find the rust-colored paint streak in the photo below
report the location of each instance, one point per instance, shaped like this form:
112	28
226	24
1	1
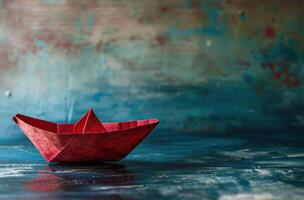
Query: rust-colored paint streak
280	73
58	42
161	39
269	32
5	60
67	45
164	9
277	75
291	81
196	4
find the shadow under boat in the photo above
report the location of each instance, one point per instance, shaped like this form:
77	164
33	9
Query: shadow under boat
77	177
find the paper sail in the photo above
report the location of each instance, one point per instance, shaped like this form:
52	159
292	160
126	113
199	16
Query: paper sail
88	140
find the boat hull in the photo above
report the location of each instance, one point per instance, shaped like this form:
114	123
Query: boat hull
79	147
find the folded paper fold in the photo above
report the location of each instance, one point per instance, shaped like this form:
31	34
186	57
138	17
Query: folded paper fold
88	140
89	123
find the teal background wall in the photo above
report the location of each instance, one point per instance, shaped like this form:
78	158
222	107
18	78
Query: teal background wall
201	67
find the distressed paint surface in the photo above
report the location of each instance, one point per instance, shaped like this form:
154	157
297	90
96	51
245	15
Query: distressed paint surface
225	77
164	167
216	66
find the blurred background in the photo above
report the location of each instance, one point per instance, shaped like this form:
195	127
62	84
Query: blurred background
225	78
201	67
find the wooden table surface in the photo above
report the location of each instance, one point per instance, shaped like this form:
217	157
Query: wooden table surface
165	166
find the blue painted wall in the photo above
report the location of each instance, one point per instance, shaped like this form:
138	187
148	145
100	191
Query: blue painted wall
199	66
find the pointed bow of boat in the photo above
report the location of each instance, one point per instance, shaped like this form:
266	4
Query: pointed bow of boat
112	146
119	140
42	134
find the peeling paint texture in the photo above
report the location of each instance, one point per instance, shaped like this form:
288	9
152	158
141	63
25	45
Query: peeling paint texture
199	66
224	77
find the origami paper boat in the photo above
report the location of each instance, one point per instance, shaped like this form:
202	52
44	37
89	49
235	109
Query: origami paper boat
88	140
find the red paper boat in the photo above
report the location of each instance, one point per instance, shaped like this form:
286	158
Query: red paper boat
88	140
